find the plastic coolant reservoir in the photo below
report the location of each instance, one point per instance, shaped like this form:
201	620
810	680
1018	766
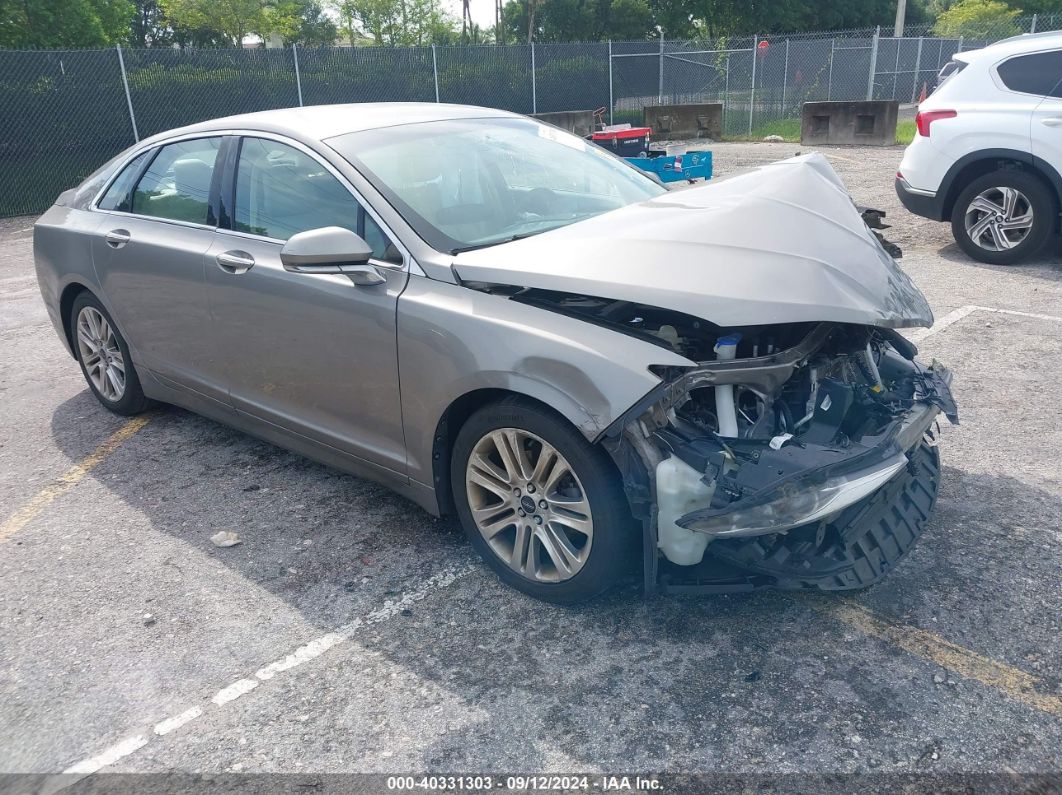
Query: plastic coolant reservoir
725	410
679	490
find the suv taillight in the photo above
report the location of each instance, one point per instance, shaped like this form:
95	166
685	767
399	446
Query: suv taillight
924	118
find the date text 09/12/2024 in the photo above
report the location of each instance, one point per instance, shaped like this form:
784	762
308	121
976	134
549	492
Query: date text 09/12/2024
524	783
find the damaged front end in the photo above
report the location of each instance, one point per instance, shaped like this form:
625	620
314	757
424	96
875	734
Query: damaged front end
800	456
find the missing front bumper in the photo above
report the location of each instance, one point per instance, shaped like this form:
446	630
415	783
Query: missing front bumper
825	489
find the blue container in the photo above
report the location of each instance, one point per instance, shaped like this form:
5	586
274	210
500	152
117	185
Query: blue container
676	168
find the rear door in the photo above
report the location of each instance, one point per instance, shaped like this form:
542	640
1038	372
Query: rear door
313	354
150	256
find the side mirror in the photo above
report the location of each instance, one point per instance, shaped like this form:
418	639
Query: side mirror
330	249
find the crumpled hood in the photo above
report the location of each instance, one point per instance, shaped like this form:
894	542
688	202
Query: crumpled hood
782	243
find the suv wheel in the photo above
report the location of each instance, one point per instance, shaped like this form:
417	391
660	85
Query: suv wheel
542	506
1004	217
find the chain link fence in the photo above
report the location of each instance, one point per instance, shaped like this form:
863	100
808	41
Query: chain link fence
64	113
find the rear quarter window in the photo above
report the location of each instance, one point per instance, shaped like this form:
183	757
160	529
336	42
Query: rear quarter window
1038	73
118	195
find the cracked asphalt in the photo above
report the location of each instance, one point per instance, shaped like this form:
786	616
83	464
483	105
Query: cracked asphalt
395	651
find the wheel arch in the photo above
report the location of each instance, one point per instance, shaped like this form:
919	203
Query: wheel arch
977	164
455	416
66	305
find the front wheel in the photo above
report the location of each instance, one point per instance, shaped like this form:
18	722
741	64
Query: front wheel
542	506
1004	217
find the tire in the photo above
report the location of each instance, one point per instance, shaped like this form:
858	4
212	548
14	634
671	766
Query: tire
856	548
518	550
991	190
127	400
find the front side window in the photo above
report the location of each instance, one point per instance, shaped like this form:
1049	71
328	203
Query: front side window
382	247
176	185
469	183
281	191
119	194
1039	73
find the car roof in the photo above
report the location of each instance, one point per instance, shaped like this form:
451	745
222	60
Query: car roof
1016	45
318	122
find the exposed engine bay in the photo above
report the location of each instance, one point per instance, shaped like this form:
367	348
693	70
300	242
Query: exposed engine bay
777	429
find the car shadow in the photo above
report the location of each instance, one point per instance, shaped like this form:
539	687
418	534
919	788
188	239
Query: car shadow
311	535
619	678
1047	265
194	476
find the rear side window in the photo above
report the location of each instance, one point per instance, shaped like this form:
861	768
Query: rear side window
118	194
1039	73
176	185
950	69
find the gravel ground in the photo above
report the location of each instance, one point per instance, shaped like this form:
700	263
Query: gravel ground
118	613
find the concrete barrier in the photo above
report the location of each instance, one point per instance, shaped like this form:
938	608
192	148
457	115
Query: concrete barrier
866	123
682	122
578	122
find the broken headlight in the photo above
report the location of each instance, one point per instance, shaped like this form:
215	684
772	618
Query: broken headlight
793	503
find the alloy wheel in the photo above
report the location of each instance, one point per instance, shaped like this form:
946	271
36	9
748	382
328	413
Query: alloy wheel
99	352
999	218
529	505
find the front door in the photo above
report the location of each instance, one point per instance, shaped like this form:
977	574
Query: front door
314	354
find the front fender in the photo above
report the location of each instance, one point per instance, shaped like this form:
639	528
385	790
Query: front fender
454	340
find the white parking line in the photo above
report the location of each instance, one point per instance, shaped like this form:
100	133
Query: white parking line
956	315
86	767
177	721
241	687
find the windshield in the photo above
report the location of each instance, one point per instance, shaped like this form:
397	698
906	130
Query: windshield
469	183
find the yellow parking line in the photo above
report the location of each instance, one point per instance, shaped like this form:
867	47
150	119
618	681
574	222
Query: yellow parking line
57	488
1010	681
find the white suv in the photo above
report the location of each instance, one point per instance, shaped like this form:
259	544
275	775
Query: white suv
988	153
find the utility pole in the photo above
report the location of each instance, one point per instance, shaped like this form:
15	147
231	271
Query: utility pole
901	14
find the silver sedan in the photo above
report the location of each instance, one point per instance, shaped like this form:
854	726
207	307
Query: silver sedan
597	376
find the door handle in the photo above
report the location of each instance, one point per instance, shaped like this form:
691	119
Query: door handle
117	238
1052	121
235	262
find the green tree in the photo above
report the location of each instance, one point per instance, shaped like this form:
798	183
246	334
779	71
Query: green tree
629	20
64	23
235	19
977	19
302	22
149	25
577	20
397	23
1038	6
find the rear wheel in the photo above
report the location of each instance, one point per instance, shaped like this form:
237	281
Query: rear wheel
1004	217
104	357
541	505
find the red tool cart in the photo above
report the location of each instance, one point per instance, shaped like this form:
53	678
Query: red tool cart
624	140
